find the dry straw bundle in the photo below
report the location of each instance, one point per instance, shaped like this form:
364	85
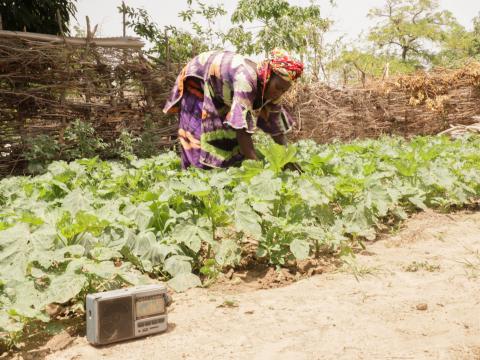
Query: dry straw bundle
420	104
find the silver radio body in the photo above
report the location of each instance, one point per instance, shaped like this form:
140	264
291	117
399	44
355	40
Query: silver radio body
126	313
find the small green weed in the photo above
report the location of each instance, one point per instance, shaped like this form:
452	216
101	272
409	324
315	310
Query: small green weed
424	265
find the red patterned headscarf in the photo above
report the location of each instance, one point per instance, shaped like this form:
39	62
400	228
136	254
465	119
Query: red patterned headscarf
282	65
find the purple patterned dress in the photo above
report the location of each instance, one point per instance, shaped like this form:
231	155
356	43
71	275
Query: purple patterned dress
215	94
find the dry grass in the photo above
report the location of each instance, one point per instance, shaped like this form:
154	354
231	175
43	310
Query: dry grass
420	104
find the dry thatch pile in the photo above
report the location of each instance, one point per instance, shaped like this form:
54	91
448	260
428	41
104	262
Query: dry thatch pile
420	104
46	82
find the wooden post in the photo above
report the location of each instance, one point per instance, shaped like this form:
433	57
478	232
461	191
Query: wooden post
89	31
386	71
1	22
87	77
124	23
59	21
167	50
125	57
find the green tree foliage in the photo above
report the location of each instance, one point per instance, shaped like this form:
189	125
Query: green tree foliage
408	25
460	45
167	43
174	44
476	36
357	65
198	12
37	16
323	58
294	28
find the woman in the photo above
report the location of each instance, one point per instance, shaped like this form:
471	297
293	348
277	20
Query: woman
222	98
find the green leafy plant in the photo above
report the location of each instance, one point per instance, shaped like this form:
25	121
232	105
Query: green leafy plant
126	144
146	146
210	270
41	150
415	266
81	141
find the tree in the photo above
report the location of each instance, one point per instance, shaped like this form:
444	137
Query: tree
460	45
168	44
408	25
293	28
171	44
355	65
195	14
37	16
475	47
456	48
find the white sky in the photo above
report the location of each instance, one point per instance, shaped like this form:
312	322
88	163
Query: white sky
349	15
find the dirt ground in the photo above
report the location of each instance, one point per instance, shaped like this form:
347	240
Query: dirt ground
414	294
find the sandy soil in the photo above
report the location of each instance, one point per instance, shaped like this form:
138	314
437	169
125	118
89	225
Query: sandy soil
417	297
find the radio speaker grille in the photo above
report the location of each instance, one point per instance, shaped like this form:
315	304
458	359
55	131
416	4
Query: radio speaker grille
115	319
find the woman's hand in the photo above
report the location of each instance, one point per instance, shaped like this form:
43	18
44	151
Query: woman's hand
280	139
293	167
246	144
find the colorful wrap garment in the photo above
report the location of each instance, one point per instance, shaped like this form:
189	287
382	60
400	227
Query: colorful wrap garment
214	95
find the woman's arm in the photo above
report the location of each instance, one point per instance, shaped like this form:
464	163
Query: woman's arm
280	139
246	144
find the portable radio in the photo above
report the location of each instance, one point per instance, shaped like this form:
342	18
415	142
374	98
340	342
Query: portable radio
126	313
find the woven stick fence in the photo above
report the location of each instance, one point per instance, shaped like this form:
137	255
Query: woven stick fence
46	82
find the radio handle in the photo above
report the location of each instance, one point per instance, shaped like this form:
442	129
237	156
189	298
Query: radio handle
167	298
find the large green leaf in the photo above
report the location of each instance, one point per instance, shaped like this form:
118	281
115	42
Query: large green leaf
418	201
70	283
15	246
300	249
227	252
141	243
7	324
196	187
359	220
184	281
76	201
278	155
247	220
264	186
192	236
311	194
47	258
102	253
102	269
377	197
178	264
140	214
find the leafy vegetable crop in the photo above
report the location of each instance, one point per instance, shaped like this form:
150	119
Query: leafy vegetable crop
91	225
